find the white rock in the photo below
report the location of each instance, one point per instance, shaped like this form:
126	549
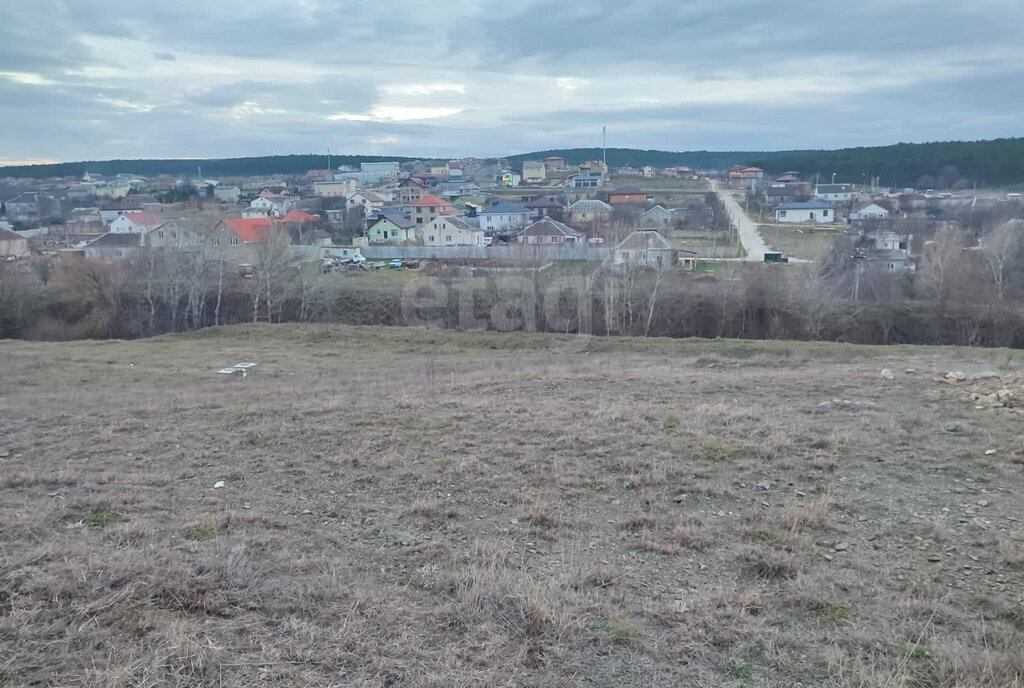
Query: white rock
886	374
990	452
219	484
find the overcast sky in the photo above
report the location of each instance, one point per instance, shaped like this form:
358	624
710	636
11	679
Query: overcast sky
218	78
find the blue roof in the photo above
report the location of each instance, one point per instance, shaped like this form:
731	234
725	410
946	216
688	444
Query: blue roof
506	209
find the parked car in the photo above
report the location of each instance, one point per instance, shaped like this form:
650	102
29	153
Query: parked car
396	263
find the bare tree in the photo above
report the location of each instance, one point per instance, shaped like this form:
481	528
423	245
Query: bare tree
1000	250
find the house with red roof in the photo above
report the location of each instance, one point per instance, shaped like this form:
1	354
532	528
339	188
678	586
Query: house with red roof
411	189
425	209
136	223
247	230
296	216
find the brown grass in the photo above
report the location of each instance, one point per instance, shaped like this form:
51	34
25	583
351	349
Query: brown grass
465	509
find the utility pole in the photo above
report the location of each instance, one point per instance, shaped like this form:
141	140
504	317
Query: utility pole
330	170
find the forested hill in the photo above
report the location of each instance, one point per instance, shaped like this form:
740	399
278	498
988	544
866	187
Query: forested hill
937	165
223	167
940	165
619	157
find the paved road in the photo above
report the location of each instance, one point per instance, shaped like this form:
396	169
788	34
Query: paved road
750	238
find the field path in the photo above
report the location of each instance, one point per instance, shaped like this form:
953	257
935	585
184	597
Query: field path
750	237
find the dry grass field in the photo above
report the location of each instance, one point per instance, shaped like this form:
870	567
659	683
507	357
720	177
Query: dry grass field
403	507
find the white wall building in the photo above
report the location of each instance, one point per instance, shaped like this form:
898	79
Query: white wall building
503	217
805	211
836	193
449	230
334	189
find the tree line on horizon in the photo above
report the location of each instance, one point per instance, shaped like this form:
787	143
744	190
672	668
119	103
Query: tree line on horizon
940	165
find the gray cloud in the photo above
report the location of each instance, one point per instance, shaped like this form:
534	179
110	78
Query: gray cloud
484	77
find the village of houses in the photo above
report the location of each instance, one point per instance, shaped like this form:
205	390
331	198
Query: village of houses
462	211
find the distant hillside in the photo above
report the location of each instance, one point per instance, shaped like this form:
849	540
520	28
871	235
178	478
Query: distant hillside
224	167
938	165
619	157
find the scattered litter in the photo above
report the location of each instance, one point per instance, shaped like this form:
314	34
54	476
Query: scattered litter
846	404
955	376
990	452
887	374
237	369
219	484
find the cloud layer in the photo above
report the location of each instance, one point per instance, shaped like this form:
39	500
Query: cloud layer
233	78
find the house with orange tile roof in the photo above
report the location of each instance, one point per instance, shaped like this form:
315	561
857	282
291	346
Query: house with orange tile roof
424	210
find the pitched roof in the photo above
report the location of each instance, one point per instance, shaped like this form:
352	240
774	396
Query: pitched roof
429	201
506	209
296	215
251	230
805	205
400	221
626	190
116	239
834	188
413	181
545	202
370	196
589	205
10	235
654	210
644	240
549	227
457	222
145	218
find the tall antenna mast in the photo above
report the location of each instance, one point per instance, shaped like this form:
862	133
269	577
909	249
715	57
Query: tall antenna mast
330	170
604	148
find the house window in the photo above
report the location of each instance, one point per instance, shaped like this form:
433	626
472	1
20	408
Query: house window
234	241
448	238
160	234
216	242
431	238
174	235
824	213
185	234
782	213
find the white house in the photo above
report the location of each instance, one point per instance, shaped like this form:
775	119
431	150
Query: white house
548	231
834	192
367	200
872	211
275	204
645	247
451	230
504	217
392	229
334	189
136	223
227	194
805	211
12	244
656	217
378	172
